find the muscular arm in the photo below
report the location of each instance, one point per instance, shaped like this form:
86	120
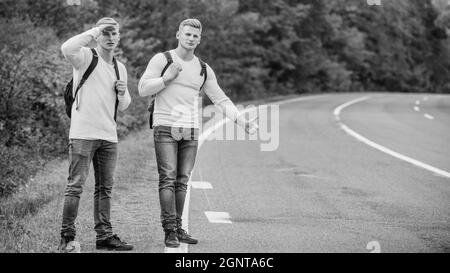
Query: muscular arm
151	81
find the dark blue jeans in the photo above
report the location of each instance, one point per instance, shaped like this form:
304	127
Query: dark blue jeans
103	155
176	149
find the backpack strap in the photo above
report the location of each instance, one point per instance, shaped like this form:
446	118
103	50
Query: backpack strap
116	69
203	72
169	59
151	106
169	62
87	73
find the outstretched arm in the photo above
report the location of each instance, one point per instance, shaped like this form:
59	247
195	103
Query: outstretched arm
221	101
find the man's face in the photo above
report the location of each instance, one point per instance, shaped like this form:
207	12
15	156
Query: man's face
189	37
109	38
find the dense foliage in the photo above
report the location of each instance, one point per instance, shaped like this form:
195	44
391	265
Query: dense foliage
257	48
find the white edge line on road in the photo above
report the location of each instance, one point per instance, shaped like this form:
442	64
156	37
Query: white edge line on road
338	110
203	137
384	149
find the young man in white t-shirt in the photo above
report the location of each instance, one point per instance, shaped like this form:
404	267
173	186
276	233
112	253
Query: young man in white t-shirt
176	122
93	129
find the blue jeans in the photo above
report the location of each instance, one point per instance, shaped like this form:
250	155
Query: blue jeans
103	155
176	149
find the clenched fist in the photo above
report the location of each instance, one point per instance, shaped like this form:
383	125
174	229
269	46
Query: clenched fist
172	73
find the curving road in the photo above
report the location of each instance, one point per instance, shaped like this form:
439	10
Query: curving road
323	190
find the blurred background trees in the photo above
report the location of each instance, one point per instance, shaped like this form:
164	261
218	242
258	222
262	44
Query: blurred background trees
257	48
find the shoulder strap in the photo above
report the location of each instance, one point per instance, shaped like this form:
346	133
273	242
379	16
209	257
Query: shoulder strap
151	105
203	72
88	71
116	69
169	61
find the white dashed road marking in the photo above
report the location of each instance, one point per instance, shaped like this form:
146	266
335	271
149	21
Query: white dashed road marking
429	116
201	185
416	108
216	217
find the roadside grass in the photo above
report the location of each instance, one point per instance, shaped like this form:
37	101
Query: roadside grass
31	218
17	209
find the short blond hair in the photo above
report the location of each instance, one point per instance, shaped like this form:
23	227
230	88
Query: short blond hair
107	20
191	22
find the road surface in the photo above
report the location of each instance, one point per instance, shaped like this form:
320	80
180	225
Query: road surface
324	190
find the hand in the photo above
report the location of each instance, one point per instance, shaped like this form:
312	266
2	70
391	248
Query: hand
121	87
102	27
251	126
93	43
172	72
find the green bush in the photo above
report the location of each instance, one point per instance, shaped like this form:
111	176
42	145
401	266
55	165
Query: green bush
32	124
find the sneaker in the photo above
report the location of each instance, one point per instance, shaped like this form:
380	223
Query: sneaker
171	239
69	245
113	243
184	237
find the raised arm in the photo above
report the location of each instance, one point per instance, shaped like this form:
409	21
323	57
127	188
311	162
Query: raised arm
72	48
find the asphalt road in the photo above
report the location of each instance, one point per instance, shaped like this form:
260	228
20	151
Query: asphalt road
323	190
